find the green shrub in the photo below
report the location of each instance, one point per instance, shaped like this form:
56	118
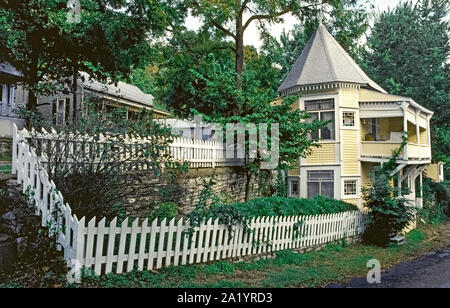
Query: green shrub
390	212
282	206
436	197
163	210
240	213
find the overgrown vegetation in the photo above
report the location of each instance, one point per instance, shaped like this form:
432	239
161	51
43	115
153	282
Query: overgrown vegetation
390	212
436	198
95	163
242	213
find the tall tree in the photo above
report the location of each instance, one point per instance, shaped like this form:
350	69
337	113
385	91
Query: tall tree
38	39
232	18
409	55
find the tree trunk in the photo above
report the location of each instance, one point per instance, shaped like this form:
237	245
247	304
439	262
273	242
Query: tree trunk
247	185
239	53
32	95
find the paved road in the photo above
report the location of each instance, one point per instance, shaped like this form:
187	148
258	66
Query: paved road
429	271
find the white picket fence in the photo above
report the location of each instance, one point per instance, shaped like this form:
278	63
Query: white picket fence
107	247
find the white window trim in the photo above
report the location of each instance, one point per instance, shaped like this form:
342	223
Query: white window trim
290	194
63	100
357	121
358	188
336	97
354	119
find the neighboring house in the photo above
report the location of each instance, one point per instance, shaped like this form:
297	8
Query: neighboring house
12	96
189	129
105	97
435	172
367	124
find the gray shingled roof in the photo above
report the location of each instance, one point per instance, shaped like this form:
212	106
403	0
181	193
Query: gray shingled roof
122	90
324	61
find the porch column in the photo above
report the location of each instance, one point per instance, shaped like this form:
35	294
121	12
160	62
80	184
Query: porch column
417	127
419	202
405	127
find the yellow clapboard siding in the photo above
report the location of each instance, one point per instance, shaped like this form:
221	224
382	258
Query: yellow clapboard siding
326	154
432	172
350	155
423	136
374	96
352	201
349	98
412	133
366	169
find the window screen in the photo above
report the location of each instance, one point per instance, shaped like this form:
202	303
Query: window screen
320	182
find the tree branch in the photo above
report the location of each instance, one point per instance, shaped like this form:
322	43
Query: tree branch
278	14
223	29
260	17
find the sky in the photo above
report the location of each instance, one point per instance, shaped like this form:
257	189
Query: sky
251	37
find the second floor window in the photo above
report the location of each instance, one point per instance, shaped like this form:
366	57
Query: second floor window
348	119
322	110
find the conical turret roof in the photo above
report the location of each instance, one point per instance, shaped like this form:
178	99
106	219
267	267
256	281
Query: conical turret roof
324	61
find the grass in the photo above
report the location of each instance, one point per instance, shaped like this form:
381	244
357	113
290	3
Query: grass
334	263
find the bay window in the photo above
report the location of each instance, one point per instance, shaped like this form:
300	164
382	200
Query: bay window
322	110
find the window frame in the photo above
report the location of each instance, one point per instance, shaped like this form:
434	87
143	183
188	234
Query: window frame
319	113
320	181
344	113
344	186
56	110
291	181
358	188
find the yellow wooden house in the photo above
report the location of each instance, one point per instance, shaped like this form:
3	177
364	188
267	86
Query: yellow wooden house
367	125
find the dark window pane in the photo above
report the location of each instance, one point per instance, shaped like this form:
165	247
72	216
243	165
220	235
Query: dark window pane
327	189
328	132
313	189
294	187
314	116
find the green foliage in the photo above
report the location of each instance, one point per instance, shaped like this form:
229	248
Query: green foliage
111	36
409	52
165	210
389	211
436	197
97	182
241	213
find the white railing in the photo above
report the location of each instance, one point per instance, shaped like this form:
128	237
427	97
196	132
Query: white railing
198	153
116	247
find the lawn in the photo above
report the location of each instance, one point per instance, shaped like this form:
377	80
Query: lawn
335	263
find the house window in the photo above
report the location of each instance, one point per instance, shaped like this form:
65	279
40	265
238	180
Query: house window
350	188
59	111
372	126
320	183
294	188
7	97
322	110
348	119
